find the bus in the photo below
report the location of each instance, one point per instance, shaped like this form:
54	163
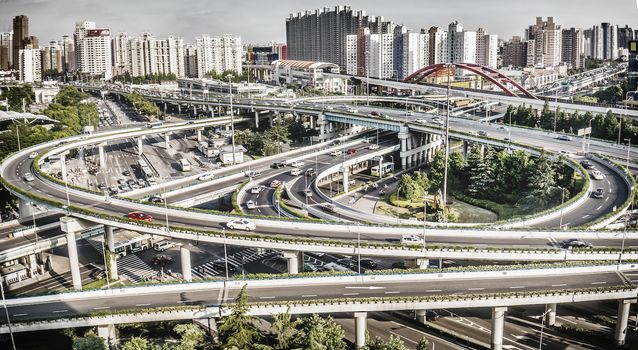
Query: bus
153	125
184	165
386	168
145	169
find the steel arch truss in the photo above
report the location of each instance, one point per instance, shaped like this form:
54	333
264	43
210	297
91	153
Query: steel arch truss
490	74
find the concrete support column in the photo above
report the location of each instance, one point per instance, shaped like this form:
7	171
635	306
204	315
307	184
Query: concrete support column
256	120
466	148
194	111
70	226
550	316
345	170
498	320
212	112
621	321
107	333
25	209
418	263
167	139
421	316
270	118
403	137
185	256
294	261
360	319
102	156
199	135
63	166
33	265
140	145
179	109
312	122
109	240
165	107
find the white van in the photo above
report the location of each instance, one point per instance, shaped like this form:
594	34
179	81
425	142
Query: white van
163	245
410	239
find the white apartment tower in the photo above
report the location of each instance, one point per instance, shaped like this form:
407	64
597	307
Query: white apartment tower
379	48
121	56
351	54
93	50
218	54
547	41
486	49
438	40
30	65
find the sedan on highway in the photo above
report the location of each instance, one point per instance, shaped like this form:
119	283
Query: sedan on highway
596	175
373	147
255	190
335	153
241	224
564	138
32	155
296	172
138	215
598	193
296	164
250	205
575	243
275	183
28	177
206	177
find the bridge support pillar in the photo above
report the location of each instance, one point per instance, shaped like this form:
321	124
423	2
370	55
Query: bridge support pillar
294	261
26	210
140	145
621	321
194	111
107	332
312	122
179	109
100	149
212	111
199	135
550	317
33	265
70	226
418	263
63	166
167	141
185	256
498	320
466	149
404	138
346	185
165	107
421	316
360	319
256	119
111	256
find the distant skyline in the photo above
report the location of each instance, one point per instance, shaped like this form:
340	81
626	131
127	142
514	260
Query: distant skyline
260	22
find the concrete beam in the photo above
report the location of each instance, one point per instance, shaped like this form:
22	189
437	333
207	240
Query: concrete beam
294	261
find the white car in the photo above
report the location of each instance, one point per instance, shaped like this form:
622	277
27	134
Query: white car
307	192
241	224
33	155
255	190
28	177
163	245
373	146
410	239
335	153
597	175
296	172
296	164
421	121
206	177
250	205
352	110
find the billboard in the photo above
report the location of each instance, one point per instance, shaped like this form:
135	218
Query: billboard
98	32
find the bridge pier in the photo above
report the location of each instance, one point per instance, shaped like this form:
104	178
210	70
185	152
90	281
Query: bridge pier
63	166
25	209
140	145
108	334
466	149
199	135
212	111
100	149
194	111
165	107
421	316
621	321
167	141
294	261
404	138
498	320
111	256
360	319
346	184
256	119
32	263
70	226
418	263
550	317
185	256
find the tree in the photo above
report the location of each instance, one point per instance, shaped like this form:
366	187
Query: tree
543	191
138	343
16	95
297	131
316	333
238	329
422	180
437	169
191	336
89	342
284	330
423	344
408	188
393	343
70	96
479	173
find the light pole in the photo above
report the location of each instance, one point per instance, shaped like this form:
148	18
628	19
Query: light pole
509	134
165	203
589	138
367	68
6	311
447	146
232	114
628	150
540	340
225	253
425	216
359	248
562	201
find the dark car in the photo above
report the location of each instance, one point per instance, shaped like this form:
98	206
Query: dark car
575	243
431	315
155	199
97	274
598	193
102	186
126	173
347	262
278	165
351	151
586	164
220	264
311	172
368	263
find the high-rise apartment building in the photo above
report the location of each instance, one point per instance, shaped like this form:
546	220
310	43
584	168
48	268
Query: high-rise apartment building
625	35
190	61
52	59
147	55
461	44
601	42
610	41
20	33
68	52
351	54
121	57
29	64
93	50
438	40
218	54
411	52
546	36
6	50
516	52
573	47
486	49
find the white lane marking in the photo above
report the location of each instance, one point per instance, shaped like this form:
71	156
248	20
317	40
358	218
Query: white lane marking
475	288
392	292
367	287
60	311
599	207
559	285
309	295
606	199
18	315
266	297
142	304
433	290
101	308
350	294
599	283
517	287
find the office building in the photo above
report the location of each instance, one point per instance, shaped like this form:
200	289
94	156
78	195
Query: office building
218	55
20	33
30	65
546	36
609	41
52	59
6	50
573	48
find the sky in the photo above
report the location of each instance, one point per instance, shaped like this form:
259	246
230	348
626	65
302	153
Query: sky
264	21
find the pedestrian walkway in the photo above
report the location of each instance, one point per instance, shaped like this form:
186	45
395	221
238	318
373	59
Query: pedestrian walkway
130	267
235	261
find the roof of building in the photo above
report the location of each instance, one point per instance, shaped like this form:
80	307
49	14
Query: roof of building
305	64
229	149
11	115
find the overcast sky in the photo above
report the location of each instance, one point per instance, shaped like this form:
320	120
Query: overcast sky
262	21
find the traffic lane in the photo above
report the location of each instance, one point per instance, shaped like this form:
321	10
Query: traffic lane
11	243
116	209
331	290
615	194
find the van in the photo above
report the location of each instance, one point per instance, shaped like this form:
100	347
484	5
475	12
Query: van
163	245
410	239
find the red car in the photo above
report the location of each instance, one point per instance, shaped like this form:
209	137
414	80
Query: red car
138	215
351	151
275	183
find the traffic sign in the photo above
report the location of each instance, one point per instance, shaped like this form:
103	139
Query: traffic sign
584	131
633	46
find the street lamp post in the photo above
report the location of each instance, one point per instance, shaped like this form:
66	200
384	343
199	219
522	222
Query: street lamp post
447	146
540	340
562	202
6	311
359	248
225	253
628	150
589	136
232	114
509	134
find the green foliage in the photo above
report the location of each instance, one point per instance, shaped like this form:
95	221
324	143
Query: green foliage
15	96
238	329
297	131
423	344
317	333
585	99
610	95
70	96
191	336
393	343
236	78
89	342
146	79
285	331
143	106
139	343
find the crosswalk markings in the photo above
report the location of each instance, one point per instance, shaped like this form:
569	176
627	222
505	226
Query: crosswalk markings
130	266
249	255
